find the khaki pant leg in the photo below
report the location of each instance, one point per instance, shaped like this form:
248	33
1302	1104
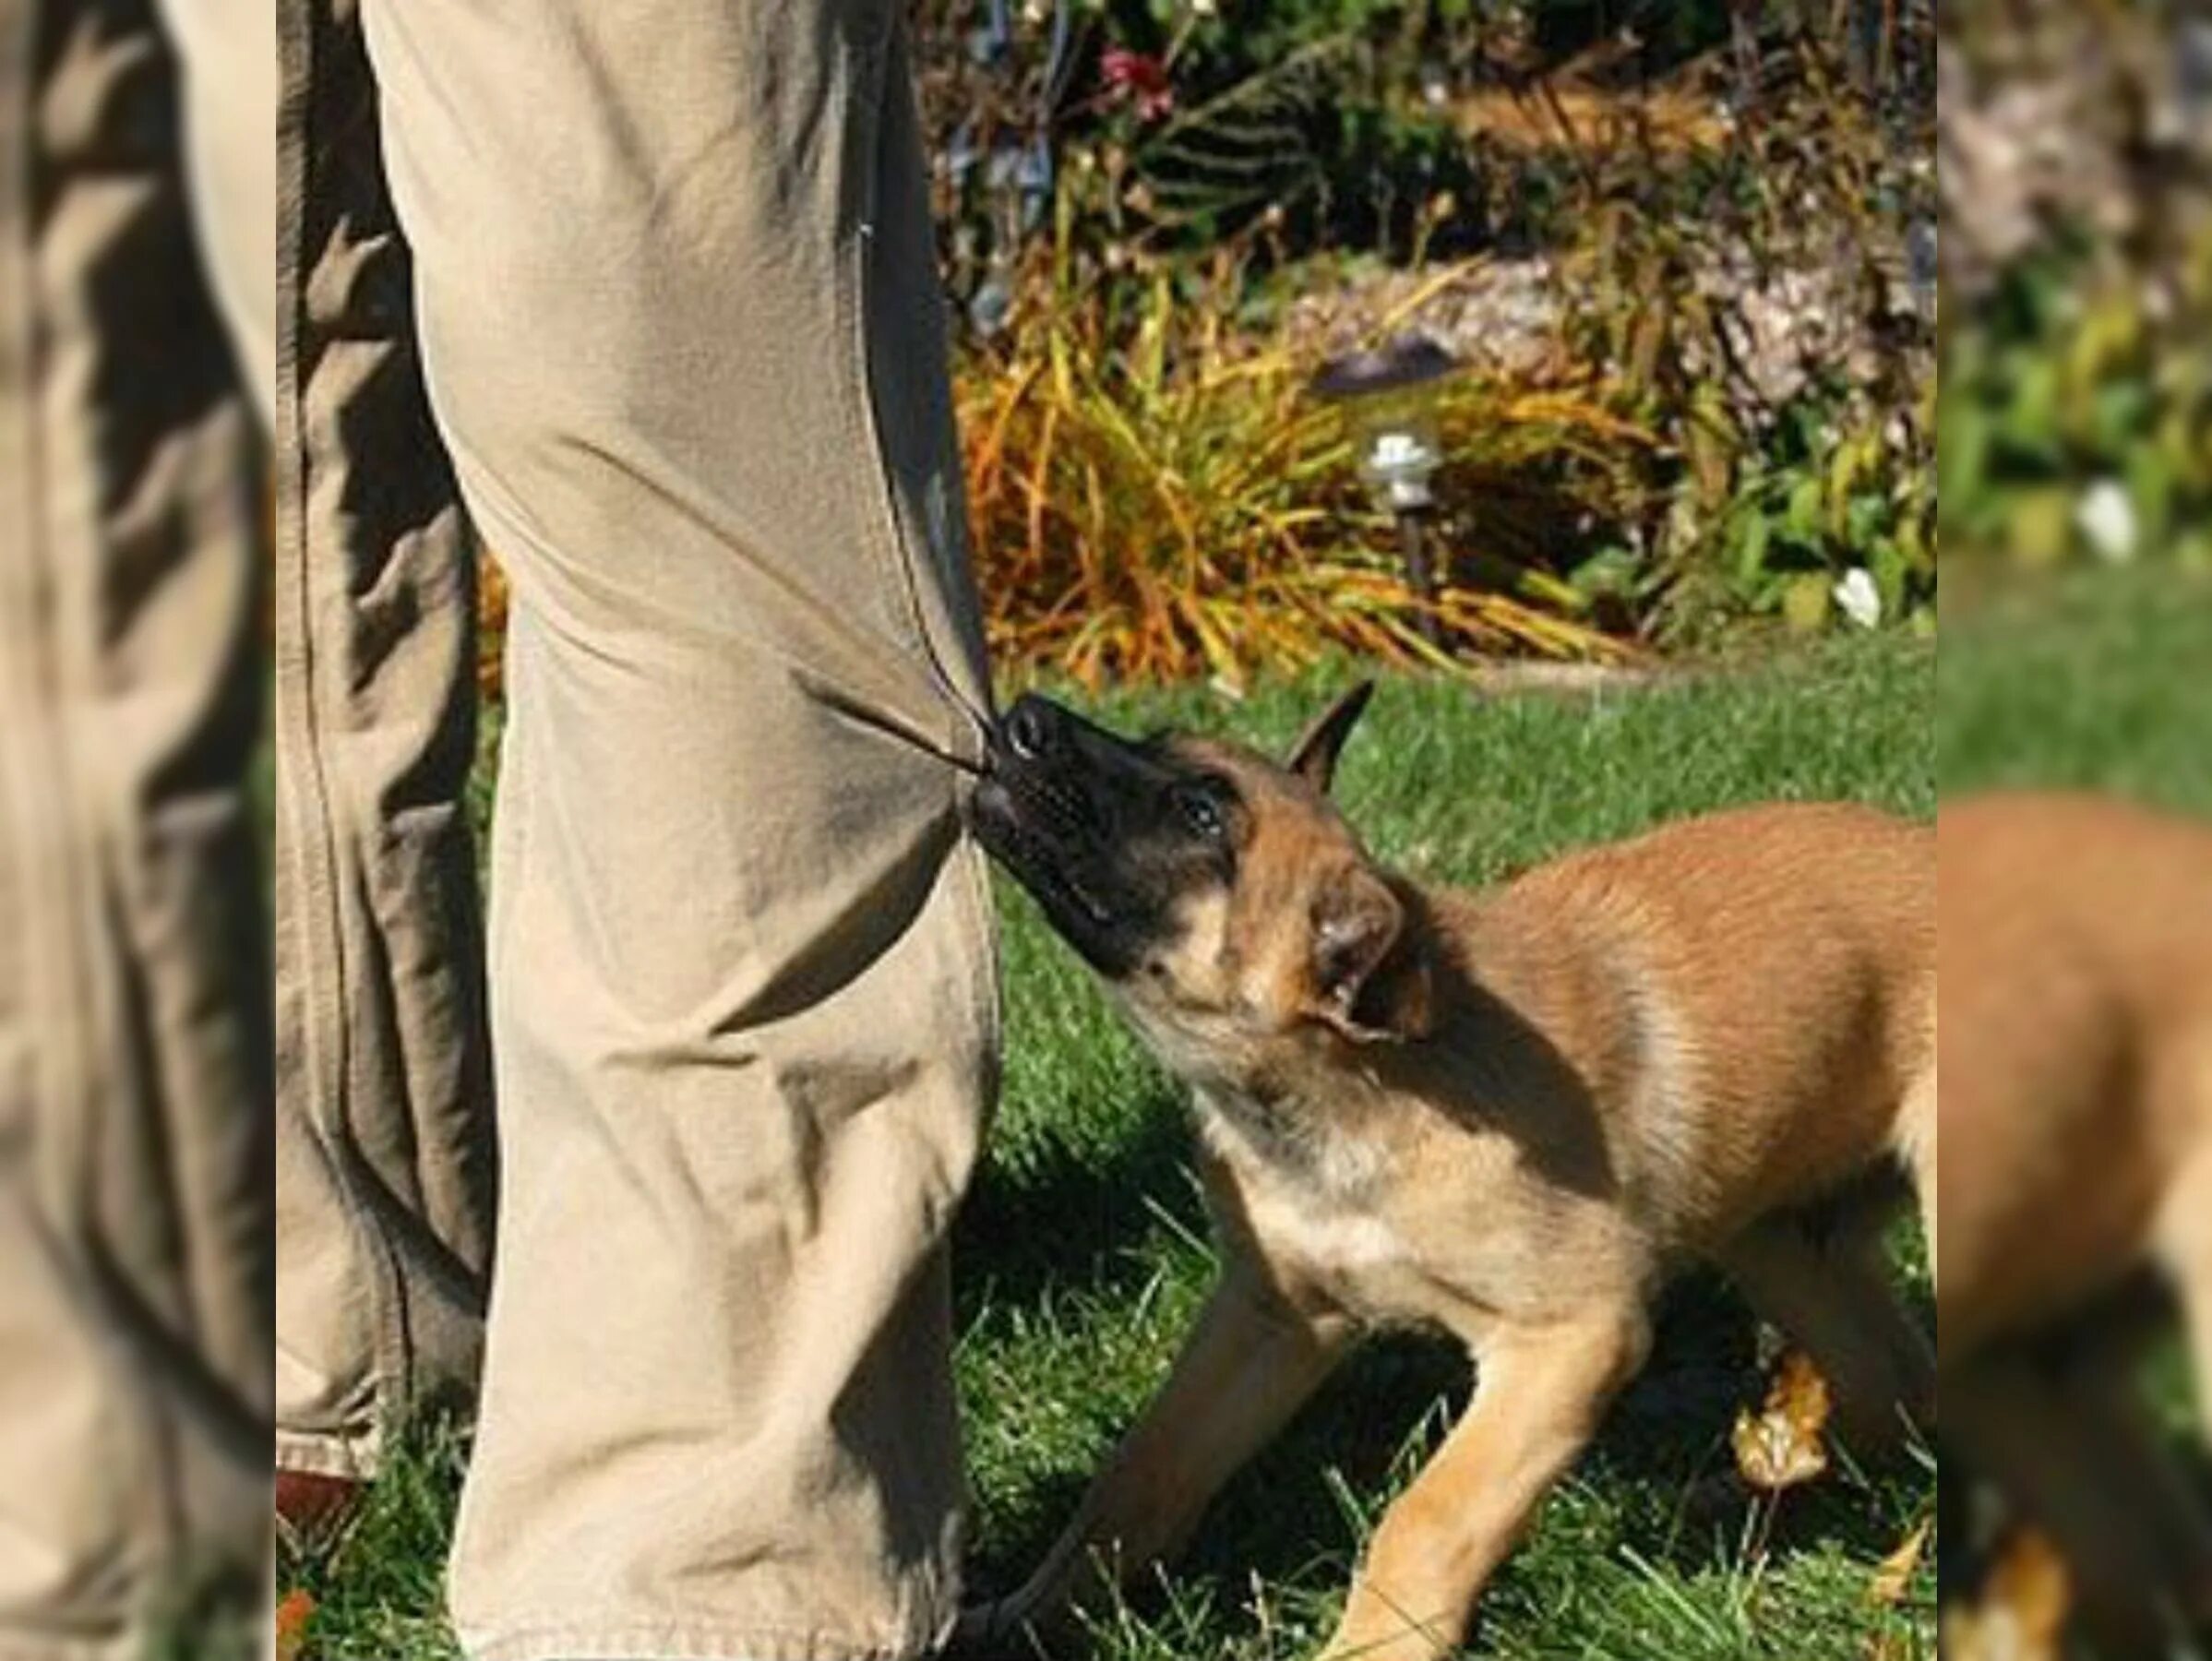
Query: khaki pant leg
385	1175
134	1045
681	329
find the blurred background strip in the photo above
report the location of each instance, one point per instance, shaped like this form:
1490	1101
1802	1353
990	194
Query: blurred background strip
2075	740
136	1280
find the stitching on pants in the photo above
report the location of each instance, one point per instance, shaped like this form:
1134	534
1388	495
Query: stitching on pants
861	165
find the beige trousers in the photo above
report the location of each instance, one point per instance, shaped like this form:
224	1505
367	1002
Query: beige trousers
644	294
135	1260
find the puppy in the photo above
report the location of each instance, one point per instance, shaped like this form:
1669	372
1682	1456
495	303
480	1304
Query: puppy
1506	1116
2076	1063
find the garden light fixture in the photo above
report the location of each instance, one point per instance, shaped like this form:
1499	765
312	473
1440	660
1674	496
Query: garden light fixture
1389	398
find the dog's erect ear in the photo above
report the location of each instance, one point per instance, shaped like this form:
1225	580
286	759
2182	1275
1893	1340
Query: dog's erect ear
1314	757
1372	976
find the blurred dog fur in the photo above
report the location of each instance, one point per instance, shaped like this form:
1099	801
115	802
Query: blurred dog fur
2077	1080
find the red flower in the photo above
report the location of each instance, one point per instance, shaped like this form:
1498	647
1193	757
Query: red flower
1139	78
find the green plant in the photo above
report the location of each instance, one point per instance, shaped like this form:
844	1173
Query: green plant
2076	374
1748	300
1827	497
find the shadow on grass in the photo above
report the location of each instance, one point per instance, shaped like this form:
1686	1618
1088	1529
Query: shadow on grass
1064	1222
1663	1461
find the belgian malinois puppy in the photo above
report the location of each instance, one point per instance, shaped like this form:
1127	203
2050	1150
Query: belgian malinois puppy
2077	1098
1504	1115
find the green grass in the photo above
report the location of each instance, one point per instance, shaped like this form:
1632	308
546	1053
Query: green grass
2091	680
1082	1252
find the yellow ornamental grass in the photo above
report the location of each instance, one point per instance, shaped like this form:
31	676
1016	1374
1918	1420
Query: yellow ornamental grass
1183	509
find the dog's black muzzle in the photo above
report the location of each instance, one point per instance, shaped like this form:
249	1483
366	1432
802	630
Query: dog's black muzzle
1063	782
1060	804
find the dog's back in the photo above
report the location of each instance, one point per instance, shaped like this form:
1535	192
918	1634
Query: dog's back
1766	1005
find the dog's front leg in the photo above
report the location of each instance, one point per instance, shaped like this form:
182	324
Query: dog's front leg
1252	1359
1540	1392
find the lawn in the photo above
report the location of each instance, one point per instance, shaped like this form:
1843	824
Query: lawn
2093	680
1082	1252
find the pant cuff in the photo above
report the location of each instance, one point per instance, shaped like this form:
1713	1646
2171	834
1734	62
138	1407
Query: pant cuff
327	1454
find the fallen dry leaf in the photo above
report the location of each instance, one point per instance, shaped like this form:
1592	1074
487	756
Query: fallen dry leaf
1781	1445
2022	1614
1894	1573
295	1610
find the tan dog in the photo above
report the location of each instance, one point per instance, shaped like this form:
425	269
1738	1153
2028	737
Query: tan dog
2077	1065
1506	1114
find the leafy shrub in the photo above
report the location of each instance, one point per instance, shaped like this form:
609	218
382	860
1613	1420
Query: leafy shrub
2074	422
1756	306
1156	497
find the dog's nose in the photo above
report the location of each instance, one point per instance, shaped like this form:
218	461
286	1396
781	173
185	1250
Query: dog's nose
1030	731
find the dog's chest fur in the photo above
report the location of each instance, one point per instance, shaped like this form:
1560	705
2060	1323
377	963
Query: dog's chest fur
1406	1222
1364	1214
1309	1196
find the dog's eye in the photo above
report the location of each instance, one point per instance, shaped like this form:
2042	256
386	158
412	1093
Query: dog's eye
1202	813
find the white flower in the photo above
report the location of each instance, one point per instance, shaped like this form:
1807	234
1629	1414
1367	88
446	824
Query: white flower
1857	598
1204	8
2107	516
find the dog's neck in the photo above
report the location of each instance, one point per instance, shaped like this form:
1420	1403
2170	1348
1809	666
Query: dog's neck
1485	1063
1503	1053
